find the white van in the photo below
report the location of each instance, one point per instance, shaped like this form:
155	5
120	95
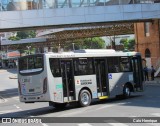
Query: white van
11	64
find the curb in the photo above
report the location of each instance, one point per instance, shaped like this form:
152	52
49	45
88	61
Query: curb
2	70
152	82
13	77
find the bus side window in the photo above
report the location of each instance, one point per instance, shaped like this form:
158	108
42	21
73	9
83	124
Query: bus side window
125	64
38	62
83	66
55	67
113	65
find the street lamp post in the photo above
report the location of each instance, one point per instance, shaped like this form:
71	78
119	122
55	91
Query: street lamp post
28	47
73	46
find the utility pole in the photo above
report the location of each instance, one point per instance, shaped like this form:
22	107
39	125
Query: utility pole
73	46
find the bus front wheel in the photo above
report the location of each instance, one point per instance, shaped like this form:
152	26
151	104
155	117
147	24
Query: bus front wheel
126	91
84	98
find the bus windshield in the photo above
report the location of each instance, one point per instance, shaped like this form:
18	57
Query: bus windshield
31	64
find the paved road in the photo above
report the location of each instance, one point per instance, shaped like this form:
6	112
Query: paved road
5	82
146	104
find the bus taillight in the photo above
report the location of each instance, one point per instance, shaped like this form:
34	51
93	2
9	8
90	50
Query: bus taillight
45	85
19	88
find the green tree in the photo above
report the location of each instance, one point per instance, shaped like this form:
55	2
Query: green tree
26	34
22	34
125	43
131	45
87	43
13	38
128	44
32	34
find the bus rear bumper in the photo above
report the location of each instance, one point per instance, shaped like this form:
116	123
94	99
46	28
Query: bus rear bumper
35	98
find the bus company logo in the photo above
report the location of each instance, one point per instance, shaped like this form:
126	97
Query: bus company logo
78	82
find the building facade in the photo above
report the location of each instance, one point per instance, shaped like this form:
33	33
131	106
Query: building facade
147	37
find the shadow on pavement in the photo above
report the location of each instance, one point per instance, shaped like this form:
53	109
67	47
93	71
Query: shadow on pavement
148	99
14	70
47	110
8	93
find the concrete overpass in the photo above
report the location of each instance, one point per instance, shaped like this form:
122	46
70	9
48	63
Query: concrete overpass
63	36
64	14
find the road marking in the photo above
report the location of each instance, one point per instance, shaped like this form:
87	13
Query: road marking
106	106
80	110
132	116
43	124
16	98
71	113
32	116
118	124
110	105
84	124
10	111
17	106
156	114
2	100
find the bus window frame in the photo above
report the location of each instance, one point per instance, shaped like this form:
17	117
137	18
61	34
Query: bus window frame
112	69
129	63
59	67
77	67
34	72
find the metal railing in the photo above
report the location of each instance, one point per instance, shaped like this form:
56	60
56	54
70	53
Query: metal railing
6	5
157	66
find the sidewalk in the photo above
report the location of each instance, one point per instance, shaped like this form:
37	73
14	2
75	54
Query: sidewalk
13	74
13	77
155	81
2	70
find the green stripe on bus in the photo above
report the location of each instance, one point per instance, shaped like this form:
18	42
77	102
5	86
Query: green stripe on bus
59	86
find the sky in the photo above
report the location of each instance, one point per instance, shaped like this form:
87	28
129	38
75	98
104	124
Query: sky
117	38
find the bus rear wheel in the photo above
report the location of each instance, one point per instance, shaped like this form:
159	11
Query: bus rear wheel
126	91
84	98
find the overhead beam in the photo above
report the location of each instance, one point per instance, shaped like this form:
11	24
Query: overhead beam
66	36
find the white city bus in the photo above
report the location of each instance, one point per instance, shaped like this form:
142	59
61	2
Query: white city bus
82	75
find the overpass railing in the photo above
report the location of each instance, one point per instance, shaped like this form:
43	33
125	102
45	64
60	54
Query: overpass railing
13	5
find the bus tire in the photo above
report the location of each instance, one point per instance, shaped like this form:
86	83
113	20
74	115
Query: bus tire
60	105
126	91
84	98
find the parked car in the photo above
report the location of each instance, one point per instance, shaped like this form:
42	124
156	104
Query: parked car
11	64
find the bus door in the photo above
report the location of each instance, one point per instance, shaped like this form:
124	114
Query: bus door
137	72
68	80
102	77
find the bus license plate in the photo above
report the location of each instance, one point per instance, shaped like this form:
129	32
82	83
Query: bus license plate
31	98
31	90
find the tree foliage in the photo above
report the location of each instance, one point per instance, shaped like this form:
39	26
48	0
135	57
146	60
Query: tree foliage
23	35
128	44
87	43
26	34
13	38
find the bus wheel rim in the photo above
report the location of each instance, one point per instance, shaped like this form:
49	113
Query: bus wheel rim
85	98
127	91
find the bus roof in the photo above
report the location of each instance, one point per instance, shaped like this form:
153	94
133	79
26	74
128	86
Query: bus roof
91	53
